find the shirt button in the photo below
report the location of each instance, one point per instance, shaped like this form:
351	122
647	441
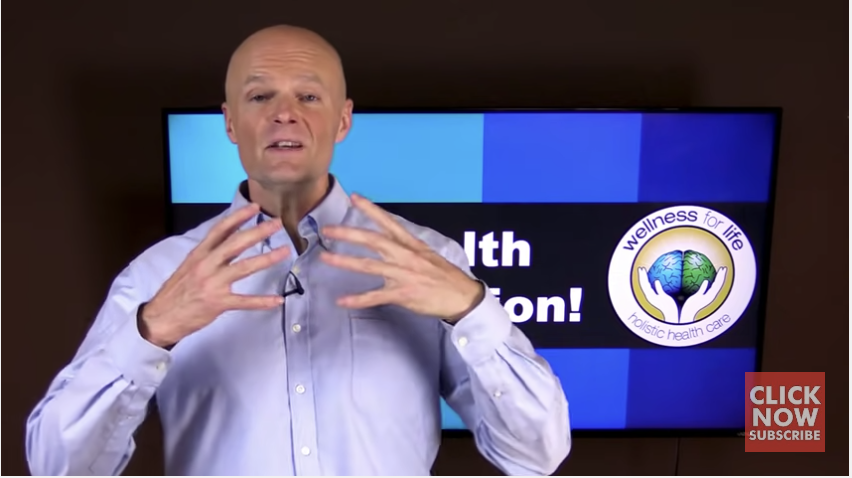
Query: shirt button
306	451
297	328
161	366
300	388
462	341
295	269
498	394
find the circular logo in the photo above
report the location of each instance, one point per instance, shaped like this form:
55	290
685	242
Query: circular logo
682	276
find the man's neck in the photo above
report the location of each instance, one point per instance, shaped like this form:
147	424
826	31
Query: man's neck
290	203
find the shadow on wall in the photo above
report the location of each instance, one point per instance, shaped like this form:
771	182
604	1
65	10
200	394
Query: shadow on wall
120	144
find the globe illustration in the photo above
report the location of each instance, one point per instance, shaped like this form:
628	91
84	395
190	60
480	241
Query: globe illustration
681	273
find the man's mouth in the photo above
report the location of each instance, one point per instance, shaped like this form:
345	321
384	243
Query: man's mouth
286	145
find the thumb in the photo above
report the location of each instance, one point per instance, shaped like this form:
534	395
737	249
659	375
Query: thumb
703	288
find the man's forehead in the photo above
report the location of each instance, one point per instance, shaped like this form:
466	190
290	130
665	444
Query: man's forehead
276	57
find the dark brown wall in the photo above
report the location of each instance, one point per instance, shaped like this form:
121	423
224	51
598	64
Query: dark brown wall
87	81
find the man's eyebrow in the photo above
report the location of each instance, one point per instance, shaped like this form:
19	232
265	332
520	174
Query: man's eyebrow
311	78
254	78
261	78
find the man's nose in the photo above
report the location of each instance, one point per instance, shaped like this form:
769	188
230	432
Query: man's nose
284	112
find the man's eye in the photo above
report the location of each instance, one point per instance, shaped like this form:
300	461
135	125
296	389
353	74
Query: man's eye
310	98
258	98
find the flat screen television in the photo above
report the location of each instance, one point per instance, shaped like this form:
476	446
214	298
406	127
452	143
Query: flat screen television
631	246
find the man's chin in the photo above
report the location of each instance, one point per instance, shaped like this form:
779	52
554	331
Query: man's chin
286	178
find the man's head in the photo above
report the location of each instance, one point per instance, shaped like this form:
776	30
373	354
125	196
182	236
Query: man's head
286	106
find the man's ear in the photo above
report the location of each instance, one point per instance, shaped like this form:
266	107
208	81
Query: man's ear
345	121
229	123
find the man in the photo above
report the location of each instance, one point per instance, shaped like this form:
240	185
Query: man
302	331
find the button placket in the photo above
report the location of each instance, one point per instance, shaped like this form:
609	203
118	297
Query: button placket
302	412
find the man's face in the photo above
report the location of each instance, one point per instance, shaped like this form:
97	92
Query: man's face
286	110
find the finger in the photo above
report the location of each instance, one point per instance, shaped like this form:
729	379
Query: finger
373	298
370	239
246	267
658	287
719	281
387	222
702	289
253	302
239	242
644	283
362	264
227	226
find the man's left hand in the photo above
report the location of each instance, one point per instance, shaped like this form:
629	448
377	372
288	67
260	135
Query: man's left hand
415	276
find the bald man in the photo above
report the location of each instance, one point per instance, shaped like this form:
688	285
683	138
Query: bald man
303	331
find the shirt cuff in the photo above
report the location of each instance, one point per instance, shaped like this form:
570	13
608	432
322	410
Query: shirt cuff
478	335
140	361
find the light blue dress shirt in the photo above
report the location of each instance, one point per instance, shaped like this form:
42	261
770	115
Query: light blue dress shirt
306	389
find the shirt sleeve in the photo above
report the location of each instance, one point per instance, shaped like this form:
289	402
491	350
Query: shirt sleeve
505	393
85	422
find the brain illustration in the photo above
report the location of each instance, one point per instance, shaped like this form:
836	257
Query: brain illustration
681	273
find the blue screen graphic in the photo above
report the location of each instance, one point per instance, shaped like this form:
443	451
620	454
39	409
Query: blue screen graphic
548	157
490	158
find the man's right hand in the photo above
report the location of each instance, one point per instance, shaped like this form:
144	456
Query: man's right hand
200	289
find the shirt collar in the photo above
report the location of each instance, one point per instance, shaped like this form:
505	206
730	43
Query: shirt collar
331	210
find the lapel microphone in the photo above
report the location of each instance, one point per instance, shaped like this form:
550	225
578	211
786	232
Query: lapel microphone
298	286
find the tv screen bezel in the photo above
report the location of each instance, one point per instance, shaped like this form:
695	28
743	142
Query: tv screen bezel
763	277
